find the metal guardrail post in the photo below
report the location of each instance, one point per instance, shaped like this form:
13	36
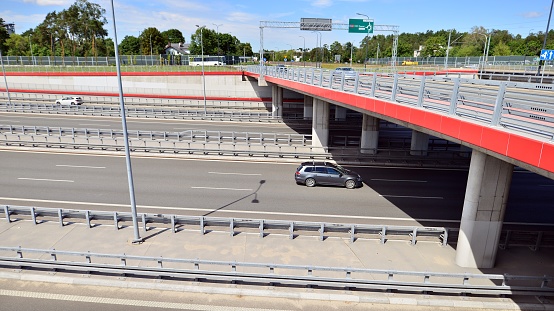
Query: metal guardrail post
538	243
144	222
87	217
33	215
232	226
383	235
115	221
261	228
421	92
414	236
7	213
173	224
202	226
321	232
444	237
498	105
291	230
373	84
60	217
394	88
454	98
352	234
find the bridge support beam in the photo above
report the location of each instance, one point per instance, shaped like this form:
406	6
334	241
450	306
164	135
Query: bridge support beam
420	143
488	185
320	123
276	101
370	135
340	113
308	107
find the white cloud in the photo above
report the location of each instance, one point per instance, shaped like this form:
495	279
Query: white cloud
322	3
532	14
49	2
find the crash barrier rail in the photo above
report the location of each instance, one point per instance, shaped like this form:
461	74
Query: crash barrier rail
533	239
278	274
164	113
45	133
43	98
262	226
525	107
391	157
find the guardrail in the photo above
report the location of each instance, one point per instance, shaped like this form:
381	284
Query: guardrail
191	136
140	112
525	107
280	274
293	228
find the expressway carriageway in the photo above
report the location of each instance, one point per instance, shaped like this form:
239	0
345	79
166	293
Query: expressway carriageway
259	190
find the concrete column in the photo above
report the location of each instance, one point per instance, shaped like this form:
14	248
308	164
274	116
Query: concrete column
488	185
320	123
420	143
370	135
276	101
340	113
308	107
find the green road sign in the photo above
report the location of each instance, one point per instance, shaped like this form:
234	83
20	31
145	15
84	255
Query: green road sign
360	26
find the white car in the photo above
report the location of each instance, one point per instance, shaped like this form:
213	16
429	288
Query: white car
69	100
349	73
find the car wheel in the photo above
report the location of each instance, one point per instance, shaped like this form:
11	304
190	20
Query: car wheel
72	104
58	103
350	184
310	182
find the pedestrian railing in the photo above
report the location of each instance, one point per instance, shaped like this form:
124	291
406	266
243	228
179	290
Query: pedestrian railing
525	107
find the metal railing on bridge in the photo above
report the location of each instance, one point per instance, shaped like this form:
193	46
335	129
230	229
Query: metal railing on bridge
524	107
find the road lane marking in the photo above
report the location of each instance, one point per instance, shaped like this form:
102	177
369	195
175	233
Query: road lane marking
214	188
401	180
11	121
206	210
241	174
91	124
124	302
408	196
44	179
80	166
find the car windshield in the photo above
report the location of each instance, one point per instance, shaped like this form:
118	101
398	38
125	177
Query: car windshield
340	168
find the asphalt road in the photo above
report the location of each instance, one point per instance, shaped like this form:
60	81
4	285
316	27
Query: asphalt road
432	197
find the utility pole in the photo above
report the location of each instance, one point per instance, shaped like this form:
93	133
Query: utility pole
545	35
366	39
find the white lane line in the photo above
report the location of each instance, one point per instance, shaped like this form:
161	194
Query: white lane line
124	302
182	209
213	188
408	196
80	166
241	174
401	180
10	121
91	124
43	179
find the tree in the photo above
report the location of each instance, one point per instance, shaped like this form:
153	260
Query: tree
129	46
173	36
3	36
152	41
434	46
17	45
501	49
209	41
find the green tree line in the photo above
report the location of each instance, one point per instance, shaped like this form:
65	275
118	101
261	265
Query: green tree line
80	31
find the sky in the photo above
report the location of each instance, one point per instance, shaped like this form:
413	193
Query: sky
242	18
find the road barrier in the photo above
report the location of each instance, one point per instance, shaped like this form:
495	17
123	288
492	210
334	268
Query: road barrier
279	274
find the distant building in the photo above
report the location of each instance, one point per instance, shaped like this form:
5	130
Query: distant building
177	49
10	27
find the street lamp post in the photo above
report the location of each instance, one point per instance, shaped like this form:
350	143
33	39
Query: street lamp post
217	36
137	239
304	47
292	51
318	44
31	49
377	56
545	36
151	60
5	81
366	39
203	75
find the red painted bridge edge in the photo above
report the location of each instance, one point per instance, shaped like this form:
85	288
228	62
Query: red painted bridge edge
528	150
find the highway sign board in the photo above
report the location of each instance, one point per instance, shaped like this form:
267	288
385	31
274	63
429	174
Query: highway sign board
547	55
314	24
360	26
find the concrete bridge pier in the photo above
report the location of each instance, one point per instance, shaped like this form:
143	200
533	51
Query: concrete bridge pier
340	113
308	107
420	143
488	185
320	123
370	134
276	101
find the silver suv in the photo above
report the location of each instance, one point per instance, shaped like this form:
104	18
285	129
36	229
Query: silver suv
325	173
